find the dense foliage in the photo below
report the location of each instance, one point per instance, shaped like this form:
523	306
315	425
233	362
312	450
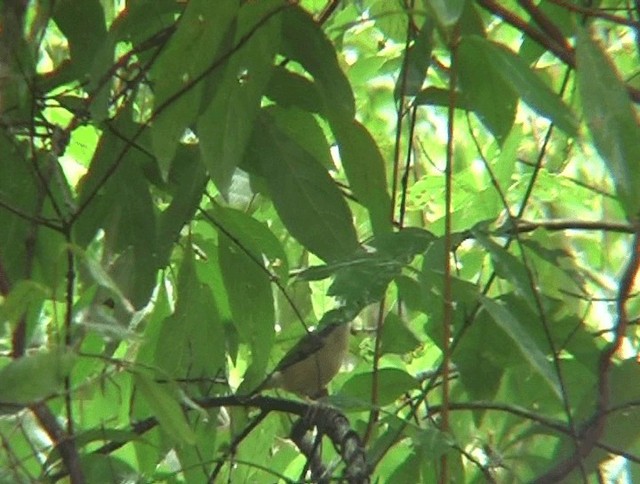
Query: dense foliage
188	186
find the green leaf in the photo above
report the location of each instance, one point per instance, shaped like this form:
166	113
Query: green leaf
417	62
397	338
304	195
85	37
611	119
166	408
508	267
523	341
255	237
31	378
23	295
251	300
189	178
365	168
186	338
305	42
363	277
437	96
225	125
190	52
531	88
288	89
392	384
124	209
302	127
485	89
447	11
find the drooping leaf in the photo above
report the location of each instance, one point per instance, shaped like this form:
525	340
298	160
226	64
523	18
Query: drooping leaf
117	196
248	287
186	338
447	11
255	237
226	123
417	62
397	338
305	130
611	119
190	51
363	277
33	377
485	89
166	408
305	43
288	89
525	82
392	384
85	37
305	196
365	168
508	267
188	179
523	341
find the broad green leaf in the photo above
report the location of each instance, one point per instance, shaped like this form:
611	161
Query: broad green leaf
305	42
392	384
363	277
403	245
482	355
484	88
437	96
304	195
191	341
190	51
254	236
397	337
305	130
166	407
408	469
288	89
523	341
33	377
23	295
106	468
365	168
86	36
526	83
142	18
91	49
611	119
447	11
390	18
251	300
508	267
417	62
122	206
188	177
225	125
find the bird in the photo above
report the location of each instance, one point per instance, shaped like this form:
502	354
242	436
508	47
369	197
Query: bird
312	363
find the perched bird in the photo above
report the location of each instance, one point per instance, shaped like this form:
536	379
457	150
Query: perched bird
311	364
